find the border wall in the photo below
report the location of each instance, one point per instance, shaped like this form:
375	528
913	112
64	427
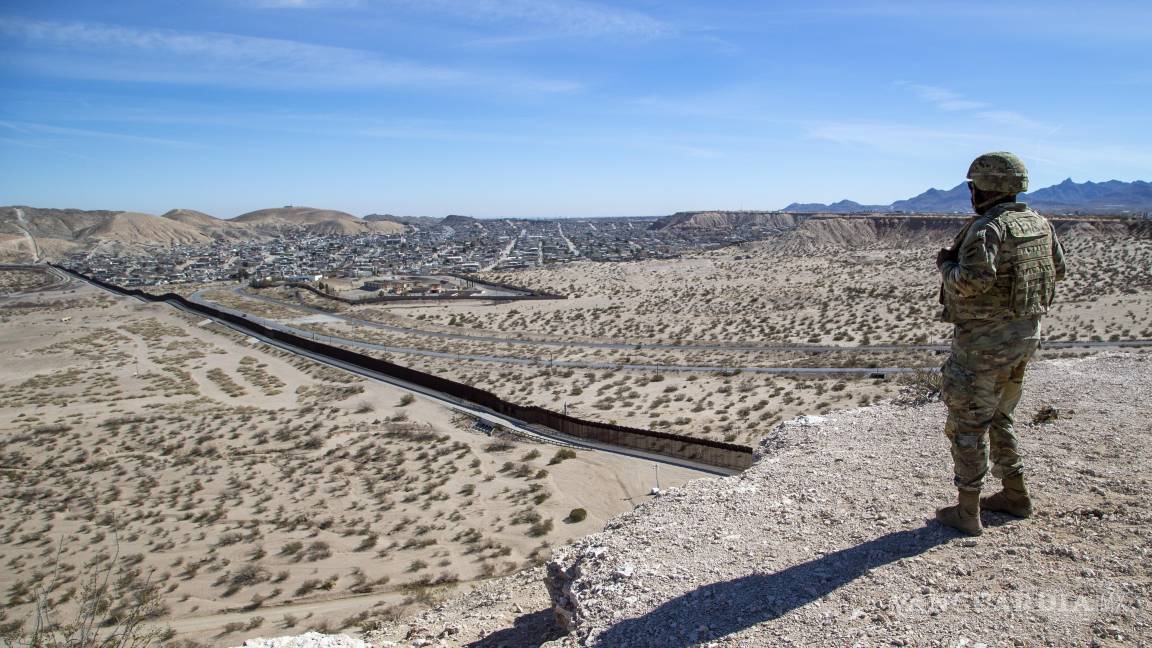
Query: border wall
380	299
705	451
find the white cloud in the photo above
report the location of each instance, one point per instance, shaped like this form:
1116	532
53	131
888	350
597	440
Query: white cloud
87	50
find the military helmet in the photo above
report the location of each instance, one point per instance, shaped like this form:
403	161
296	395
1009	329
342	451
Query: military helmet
999	172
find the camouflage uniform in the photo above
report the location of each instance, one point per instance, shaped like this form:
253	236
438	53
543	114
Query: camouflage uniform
1000	281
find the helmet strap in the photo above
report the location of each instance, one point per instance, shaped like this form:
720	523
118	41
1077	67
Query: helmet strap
983	201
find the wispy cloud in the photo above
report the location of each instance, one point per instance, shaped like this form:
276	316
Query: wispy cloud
97	51
910	141
893	138
37	129
302	4
556	17
570	17
945	99
951	101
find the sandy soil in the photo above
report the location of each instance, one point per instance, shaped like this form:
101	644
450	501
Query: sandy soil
256	491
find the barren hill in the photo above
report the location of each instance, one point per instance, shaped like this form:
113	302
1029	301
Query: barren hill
144	229
826	540
27	233
321	221
195	218
55	232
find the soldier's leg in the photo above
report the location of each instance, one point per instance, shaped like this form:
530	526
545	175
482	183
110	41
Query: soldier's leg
1005	451
1007	463
971	399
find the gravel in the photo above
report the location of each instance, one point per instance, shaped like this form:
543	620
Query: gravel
828	540
307	640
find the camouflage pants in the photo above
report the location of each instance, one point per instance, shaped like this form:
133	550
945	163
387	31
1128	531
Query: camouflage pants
981	384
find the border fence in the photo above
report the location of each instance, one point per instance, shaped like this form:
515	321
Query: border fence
704	451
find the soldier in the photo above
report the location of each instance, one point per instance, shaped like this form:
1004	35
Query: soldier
998	279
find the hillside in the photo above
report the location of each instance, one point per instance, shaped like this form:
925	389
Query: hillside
724	220
320	221
194	218
135	228
825	541
58	231
259	489
27	233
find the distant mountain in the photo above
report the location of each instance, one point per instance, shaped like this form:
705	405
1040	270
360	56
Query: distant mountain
841	207
955	199
1112	196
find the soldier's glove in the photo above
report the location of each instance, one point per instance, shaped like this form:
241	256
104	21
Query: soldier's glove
943	256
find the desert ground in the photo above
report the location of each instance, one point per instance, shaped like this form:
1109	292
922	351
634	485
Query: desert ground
259	493
712	309
253	491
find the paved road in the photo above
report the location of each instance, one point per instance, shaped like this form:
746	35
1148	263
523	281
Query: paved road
624	346
568	241
506	252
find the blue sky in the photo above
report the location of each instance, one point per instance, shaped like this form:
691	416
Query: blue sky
555	108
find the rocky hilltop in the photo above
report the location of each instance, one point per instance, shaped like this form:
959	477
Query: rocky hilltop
826	541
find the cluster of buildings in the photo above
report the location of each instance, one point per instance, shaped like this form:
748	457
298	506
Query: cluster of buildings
454	245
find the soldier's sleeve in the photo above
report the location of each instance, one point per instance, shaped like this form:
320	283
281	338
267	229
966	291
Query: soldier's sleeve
974	270
1058	256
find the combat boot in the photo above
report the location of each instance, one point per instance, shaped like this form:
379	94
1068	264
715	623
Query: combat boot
1013	500
965	515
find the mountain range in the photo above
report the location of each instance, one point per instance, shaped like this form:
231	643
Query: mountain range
1110	197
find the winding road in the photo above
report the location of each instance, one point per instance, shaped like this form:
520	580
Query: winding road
22	223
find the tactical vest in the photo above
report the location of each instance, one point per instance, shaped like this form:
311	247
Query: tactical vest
1025	274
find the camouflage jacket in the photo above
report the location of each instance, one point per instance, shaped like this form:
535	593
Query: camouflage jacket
1004	267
